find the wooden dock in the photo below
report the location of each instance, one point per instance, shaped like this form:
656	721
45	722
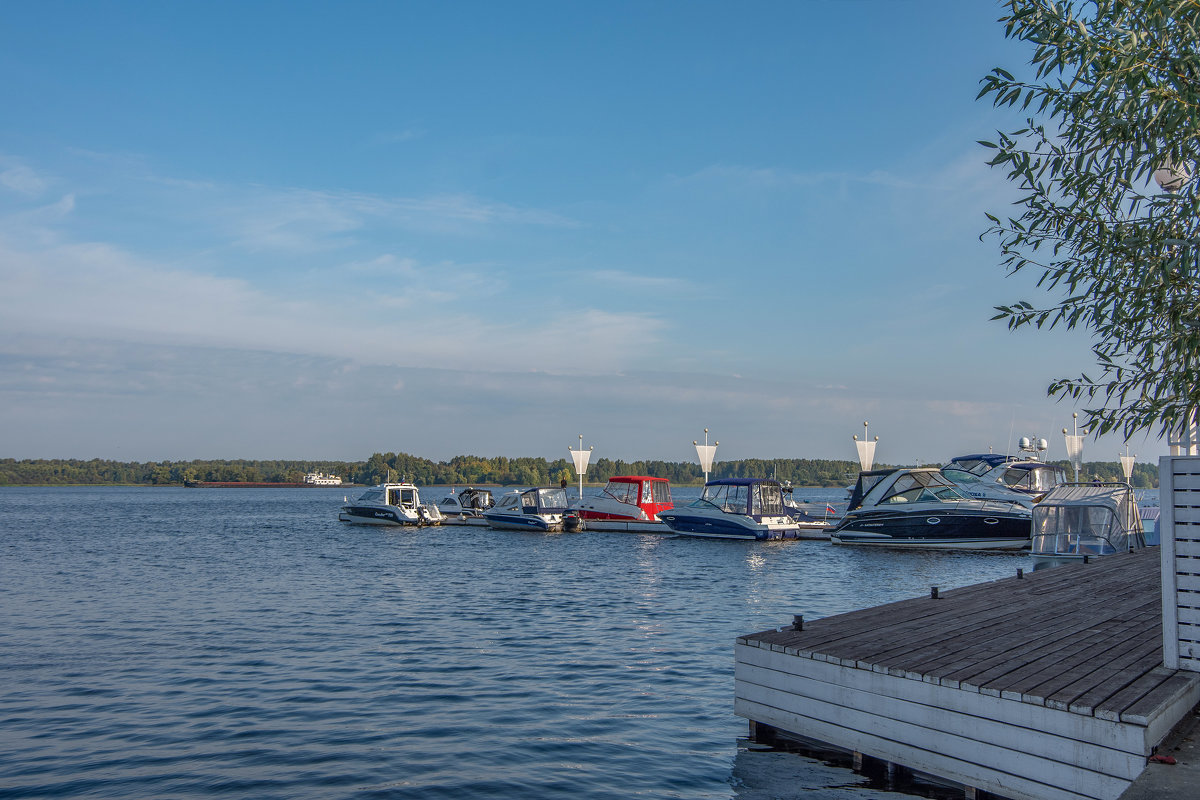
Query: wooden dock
1050	686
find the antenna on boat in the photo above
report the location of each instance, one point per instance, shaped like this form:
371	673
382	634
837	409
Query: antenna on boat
705	453
580	457
1075	445
866	450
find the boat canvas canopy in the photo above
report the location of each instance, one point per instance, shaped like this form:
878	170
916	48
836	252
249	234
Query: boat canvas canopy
752	496
544	501
1033	476
979	463
625	489
1075	520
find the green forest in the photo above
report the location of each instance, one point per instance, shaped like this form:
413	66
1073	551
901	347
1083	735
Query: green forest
460	470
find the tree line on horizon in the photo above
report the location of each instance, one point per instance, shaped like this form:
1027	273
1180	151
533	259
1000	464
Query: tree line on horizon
463	470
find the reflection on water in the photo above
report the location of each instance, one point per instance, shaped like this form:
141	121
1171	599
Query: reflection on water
185	643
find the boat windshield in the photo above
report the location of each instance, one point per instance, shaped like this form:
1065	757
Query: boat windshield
1034	479
766	500
406	498
975	466
923	487
622	491
656	492
552	500
477	498
729	498
960	475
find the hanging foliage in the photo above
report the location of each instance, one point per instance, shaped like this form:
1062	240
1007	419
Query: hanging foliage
1112	98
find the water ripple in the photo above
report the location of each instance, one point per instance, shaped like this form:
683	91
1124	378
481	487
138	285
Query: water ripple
242	643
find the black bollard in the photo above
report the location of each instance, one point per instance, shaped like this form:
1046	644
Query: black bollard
797	622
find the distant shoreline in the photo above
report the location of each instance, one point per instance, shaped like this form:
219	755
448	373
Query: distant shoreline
498	471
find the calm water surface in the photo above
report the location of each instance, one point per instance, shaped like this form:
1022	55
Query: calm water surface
243	643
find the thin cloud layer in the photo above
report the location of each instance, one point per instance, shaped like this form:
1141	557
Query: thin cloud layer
504	244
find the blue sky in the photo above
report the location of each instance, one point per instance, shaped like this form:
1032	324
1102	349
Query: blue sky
319	230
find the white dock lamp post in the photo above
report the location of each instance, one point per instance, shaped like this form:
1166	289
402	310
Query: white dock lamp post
705	453
1075	445
866	450
1127	464
580	457
1172	178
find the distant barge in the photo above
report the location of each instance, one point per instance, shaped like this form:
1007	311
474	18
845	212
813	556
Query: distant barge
251	485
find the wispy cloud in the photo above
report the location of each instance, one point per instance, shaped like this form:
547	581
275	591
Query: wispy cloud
633	280
261	218
20	178
775	178
100	289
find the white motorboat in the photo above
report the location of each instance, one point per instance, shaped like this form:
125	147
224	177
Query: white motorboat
1077	520
992	476
629	503
391	504
813	520
921	508
539	509
465	507
735	508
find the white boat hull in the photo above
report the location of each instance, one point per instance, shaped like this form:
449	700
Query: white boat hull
465	520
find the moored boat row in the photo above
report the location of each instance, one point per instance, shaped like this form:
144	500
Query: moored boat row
914	508
745	508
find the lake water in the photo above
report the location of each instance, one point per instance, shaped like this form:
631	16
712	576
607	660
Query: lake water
191	643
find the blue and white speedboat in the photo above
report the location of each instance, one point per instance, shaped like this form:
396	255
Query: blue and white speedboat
922	508
734	508
530	510
391	504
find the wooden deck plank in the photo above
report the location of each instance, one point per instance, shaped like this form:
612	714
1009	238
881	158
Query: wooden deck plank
1081	653
981	623
1136	690
1074	679
1025	649
1076	637
857	634
1017	650
946	625
1085	695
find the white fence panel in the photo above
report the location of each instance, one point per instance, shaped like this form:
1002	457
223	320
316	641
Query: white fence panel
1179	531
